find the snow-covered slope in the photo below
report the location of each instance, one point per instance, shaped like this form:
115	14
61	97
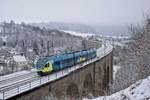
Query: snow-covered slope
79	33
138	91
66	26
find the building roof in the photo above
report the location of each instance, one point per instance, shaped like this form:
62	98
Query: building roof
19	58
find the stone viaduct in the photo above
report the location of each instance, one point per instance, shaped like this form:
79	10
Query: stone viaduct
91	80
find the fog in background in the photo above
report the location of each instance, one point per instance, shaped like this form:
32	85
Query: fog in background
96	13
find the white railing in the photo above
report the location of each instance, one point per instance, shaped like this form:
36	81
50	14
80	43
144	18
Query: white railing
38	81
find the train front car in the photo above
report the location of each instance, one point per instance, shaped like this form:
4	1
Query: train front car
44	66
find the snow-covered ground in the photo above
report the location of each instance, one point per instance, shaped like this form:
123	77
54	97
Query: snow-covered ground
118	37
138	91
78	33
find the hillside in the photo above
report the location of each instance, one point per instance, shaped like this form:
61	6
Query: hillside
38	41
66	26
138	91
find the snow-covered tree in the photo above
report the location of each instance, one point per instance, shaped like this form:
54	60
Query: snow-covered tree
134	57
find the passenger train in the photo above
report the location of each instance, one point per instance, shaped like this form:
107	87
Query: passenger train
50	64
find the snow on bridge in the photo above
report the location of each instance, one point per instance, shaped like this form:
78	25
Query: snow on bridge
17	83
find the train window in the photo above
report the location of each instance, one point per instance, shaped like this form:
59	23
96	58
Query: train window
46	65
57	63
67	61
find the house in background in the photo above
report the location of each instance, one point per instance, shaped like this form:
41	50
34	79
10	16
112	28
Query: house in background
10	61
20	62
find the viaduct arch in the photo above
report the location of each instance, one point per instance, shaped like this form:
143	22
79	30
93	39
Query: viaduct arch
72	91
87	85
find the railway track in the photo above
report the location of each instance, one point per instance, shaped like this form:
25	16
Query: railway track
16	78
5	77
17	83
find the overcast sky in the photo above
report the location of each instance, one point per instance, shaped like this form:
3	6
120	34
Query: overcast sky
108	12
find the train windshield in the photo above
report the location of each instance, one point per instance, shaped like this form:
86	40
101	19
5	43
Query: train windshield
41	62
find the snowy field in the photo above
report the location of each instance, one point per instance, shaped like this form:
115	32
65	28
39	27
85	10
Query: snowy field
138	91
